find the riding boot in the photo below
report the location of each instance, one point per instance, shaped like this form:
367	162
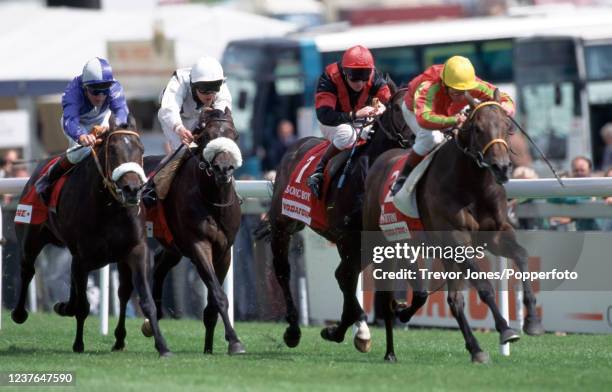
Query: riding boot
411	162
315	181
44	184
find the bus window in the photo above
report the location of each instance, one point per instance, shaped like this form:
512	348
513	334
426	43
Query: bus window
401	63
599	62
496	61
438	54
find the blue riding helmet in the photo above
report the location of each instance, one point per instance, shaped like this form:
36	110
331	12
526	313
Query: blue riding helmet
97	73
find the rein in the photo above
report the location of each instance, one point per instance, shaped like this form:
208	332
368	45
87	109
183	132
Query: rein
108	184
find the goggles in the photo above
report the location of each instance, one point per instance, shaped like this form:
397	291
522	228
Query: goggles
358	74
98	88
208	87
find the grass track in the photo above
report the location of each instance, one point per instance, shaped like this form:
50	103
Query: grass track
428	360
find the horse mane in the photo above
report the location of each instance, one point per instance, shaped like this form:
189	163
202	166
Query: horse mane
220	145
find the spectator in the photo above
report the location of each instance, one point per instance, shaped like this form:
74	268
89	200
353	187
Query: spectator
7	162
606	223
581	168
524	173
285	137
606	135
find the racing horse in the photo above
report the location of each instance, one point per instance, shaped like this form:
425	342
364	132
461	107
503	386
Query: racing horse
344	217
99	218
461	195
202	211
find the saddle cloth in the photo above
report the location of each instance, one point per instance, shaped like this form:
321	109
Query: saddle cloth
31	209
157	226
298	202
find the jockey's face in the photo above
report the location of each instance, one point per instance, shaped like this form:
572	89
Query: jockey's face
96	97
356	85
207	98
357	77
455	95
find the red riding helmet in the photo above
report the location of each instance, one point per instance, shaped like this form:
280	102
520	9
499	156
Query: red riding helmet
357	57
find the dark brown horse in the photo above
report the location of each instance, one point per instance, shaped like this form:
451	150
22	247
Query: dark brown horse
344	217
461	193
203	213
99	218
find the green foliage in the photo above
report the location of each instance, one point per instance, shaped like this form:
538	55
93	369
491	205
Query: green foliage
428	360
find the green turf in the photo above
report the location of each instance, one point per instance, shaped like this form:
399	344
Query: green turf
428	360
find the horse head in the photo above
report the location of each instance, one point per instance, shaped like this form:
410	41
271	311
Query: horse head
484	136
221	157
391	122
214	123
121	153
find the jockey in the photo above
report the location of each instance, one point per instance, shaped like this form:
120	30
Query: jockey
87	102
189	91
344	94
435	100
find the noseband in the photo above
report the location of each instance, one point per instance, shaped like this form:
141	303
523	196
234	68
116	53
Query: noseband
475	154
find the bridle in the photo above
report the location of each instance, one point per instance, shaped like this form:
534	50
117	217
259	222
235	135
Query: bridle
474	153
396	133
110	178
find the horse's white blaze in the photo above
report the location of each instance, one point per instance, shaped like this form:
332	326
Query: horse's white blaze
363	332
128	167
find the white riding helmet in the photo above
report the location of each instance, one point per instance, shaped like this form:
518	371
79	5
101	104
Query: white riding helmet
97	71
206	69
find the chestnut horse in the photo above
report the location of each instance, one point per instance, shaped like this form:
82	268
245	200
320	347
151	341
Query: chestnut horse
202	210
344	217
99	218
461	193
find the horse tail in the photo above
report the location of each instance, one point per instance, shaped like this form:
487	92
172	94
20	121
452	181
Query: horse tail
263	230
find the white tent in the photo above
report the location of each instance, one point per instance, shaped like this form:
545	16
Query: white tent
39	43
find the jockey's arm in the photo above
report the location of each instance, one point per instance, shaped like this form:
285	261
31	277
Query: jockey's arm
485	92
71	105
326	99
169	113
423	108
118	104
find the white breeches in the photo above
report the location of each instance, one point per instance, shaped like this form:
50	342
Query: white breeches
426	139
343	136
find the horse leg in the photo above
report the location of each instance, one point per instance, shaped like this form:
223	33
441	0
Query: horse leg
81	304
280	258
165	260
487	295
125	291
505	244
419	297
204	263
347	275
389	317
456	303
210	315
137	261
33	240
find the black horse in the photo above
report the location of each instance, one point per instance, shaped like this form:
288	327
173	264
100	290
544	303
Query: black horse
202	210
344	216
99	218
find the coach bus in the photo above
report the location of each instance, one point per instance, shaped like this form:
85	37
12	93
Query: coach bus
275	79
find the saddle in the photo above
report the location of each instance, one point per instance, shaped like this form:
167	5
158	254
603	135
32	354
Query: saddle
163	179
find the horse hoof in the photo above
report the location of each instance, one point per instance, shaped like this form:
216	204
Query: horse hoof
509	336
403	315
62	309
480	357
208	351
236	348
362	345
390	357
19	316
166	355
78	347
533	327
146	329
292	336
329	333
118	347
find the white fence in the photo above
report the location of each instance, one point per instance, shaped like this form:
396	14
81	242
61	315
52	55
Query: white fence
544	188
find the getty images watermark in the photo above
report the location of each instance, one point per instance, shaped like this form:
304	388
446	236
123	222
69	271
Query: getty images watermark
429	259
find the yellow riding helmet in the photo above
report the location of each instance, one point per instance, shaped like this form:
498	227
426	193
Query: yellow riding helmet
458	73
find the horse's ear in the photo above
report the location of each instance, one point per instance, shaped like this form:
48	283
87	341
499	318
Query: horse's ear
131	121
228	111
112	124
497	95
391	84
471	100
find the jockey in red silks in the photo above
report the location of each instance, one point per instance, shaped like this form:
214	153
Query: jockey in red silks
344	94
435	100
